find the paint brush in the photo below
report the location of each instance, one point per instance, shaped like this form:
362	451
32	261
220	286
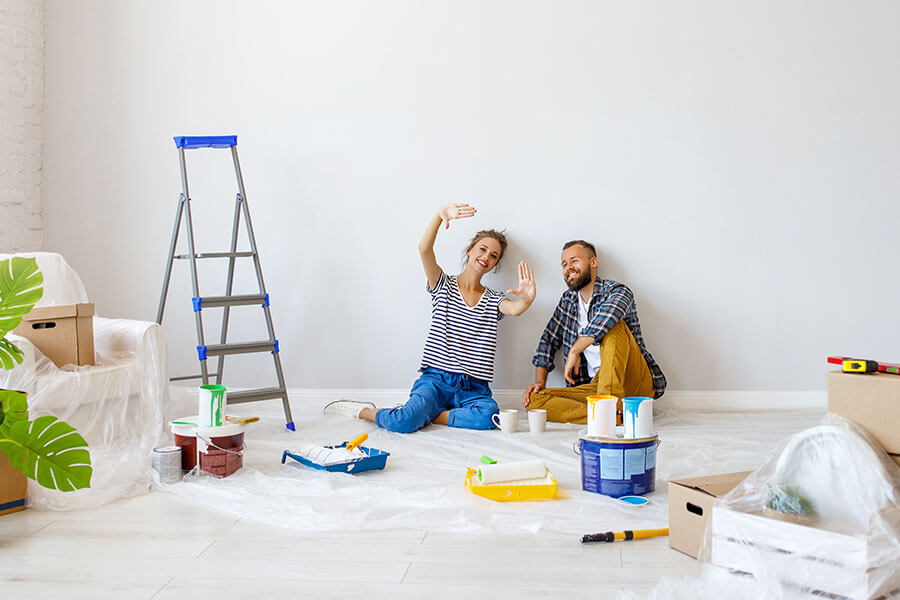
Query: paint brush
637	534
241	420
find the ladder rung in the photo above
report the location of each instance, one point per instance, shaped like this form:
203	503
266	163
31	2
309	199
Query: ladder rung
215	255
253	395
210	301
185	377
244	348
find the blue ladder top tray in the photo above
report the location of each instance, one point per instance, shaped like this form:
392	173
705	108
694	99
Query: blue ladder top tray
374	459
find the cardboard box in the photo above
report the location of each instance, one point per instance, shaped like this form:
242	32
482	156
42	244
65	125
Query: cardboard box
870	399
811	562
690	504
64	334
12	487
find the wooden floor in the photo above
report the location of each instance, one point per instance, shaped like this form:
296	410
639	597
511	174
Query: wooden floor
162	547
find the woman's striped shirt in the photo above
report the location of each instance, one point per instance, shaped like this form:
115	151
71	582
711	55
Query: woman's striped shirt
462	338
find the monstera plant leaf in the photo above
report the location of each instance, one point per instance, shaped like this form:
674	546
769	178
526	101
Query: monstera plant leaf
13	408
21	286
49	451
9	354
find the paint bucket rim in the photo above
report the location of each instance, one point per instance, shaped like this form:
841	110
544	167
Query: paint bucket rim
227	430
620	440
179	428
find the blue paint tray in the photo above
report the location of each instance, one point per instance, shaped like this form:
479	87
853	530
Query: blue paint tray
374	459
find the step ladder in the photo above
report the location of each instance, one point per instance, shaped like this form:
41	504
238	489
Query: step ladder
223	348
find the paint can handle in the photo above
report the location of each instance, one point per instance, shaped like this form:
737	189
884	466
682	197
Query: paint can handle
210	443
576	447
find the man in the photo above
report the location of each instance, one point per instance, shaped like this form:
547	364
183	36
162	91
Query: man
596	325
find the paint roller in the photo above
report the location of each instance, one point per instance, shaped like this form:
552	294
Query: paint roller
512	471
323	455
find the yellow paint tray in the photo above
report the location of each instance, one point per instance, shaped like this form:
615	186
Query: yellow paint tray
512	491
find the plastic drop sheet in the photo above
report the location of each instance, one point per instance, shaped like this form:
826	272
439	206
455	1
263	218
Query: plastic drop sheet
819	517
117	405
422	485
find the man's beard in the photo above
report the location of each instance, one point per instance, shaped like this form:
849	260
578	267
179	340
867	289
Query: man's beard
579	282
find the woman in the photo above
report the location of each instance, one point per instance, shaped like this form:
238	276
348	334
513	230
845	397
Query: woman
458	360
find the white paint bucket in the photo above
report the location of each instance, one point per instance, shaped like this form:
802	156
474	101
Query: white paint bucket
211	405
637	416
601	416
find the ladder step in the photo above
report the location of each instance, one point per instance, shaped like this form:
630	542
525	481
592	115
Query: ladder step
253	395
243	348
185	377
215	255
189	142
247	299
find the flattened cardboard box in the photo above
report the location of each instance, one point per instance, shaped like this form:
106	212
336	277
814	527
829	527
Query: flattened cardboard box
64	334
870	399
12	487
690	505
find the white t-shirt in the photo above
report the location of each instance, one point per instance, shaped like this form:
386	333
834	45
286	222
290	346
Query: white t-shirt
592	352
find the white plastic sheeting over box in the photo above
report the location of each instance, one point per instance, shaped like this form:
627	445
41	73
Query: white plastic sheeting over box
117	405
844	542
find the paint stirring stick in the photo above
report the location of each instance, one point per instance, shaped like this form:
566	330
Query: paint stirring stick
637	534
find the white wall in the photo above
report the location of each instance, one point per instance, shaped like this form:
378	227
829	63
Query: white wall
735	163
21	94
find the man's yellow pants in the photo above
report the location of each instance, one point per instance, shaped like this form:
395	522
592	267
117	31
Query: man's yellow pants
623	372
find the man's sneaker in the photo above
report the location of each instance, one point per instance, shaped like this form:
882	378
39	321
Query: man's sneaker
349	409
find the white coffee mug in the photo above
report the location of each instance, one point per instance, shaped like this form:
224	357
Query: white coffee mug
507	420
537	420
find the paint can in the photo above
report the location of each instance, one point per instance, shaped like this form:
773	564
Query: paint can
220	450
167	462
185	432
638	416
618	467
601	416
212	401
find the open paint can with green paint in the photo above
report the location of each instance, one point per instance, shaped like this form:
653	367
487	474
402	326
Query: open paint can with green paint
211	405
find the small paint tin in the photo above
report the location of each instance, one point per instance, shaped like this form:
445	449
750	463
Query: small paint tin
167	462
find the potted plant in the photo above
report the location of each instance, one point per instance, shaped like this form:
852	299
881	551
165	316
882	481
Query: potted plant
45	449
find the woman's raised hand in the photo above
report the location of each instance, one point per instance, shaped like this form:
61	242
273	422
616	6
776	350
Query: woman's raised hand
448	212
527	288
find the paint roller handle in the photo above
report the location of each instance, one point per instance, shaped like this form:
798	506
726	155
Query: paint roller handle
357	441
637	534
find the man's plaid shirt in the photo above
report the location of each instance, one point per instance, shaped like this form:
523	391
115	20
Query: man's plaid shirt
610	303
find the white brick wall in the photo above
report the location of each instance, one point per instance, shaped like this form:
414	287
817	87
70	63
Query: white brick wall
21	133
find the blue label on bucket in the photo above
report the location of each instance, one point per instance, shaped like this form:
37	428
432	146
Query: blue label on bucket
618	468
634	462
611	466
